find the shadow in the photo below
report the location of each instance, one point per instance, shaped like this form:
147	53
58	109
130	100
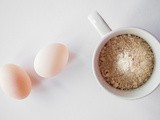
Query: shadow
72	56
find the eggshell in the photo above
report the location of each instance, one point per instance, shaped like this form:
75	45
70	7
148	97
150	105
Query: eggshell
14	81
51	60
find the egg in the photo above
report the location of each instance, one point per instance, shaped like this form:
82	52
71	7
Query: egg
51	60
14	81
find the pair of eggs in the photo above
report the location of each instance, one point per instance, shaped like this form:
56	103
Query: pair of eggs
49	61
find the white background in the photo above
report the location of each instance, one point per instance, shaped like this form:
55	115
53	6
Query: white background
28	25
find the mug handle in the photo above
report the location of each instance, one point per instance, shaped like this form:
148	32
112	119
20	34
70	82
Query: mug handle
99	23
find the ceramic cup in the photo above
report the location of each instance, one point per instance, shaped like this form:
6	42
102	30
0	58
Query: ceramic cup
106	33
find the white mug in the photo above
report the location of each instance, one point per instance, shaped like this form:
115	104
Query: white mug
106	34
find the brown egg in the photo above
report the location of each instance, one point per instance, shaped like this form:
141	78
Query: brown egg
51	60
14	81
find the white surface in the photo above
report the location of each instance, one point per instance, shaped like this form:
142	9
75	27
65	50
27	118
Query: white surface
26	26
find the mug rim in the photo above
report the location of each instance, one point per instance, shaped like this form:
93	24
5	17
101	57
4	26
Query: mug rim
94	61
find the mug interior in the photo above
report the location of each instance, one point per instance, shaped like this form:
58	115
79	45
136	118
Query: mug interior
153	81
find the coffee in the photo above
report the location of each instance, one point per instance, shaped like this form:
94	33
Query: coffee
126	62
